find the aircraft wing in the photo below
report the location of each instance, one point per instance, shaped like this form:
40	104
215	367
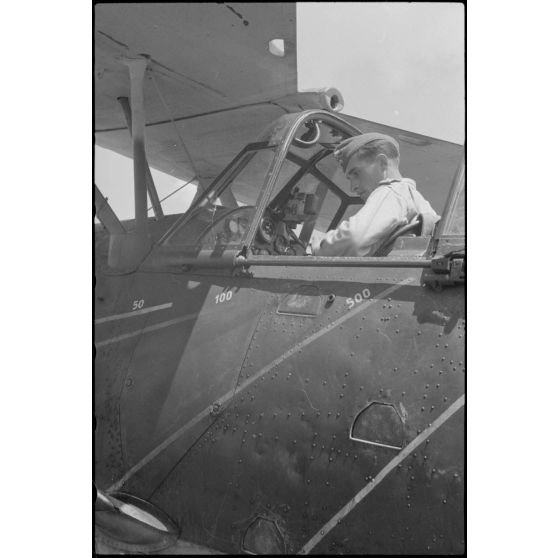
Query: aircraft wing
213	85
211	71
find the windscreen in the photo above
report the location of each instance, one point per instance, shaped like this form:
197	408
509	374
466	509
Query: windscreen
456	222
222	217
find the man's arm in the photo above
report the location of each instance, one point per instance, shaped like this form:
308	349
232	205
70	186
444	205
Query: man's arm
380	216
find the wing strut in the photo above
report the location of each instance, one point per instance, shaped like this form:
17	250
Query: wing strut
137	67
126	251
106	215
151	190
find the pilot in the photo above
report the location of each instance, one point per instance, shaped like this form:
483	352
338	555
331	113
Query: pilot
371	163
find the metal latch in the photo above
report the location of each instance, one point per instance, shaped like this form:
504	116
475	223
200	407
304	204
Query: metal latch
240	268
448	270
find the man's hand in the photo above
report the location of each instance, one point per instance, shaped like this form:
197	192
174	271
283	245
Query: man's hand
315	242
315	246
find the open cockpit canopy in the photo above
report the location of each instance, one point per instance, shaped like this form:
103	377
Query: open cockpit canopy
287	187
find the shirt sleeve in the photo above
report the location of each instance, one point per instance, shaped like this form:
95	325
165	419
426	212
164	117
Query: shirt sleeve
380	216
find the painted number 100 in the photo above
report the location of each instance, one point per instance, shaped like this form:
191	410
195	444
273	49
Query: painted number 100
223	296
358	297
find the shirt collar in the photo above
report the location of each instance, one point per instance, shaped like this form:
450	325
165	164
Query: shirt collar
389	181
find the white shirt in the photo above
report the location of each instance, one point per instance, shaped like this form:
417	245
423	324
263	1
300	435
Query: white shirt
395	202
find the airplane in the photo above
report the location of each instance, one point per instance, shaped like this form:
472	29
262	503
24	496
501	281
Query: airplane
249	397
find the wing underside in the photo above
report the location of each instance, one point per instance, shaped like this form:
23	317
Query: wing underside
202	106
195	90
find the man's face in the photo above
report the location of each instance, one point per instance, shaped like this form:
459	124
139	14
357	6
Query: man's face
364	175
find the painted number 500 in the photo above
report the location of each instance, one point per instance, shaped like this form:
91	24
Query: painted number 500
358	297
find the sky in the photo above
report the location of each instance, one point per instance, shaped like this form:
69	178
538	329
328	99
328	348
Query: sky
400	64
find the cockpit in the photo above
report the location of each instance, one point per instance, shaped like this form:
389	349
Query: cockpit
283	191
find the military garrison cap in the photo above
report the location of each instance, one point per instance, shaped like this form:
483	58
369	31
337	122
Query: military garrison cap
347	148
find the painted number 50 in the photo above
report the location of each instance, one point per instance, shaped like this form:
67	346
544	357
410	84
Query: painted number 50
138	304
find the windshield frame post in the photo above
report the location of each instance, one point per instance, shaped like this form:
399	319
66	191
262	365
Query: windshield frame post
453	197
285	141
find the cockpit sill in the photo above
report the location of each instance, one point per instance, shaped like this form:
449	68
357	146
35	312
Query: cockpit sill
173	258
439	271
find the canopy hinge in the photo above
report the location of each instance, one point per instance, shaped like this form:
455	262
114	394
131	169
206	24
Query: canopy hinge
240	268
445	271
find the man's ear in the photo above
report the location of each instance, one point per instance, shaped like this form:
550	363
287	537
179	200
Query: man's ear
382	159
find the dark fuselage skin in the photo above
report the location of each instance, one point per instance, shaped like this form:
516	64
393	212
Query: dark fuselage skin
232	413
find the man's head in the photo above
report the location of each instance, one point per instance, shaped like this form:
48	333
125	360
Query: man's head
368	159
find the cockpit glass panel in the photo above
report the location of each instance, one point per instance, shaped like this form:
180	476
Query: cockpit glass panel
331	168
456	221
221	219
327	211
286	173
304	202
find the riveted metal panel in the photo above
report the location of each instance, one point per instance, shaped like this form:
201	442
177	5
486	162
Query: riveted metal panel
263	537
417	509
379	424
304	300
